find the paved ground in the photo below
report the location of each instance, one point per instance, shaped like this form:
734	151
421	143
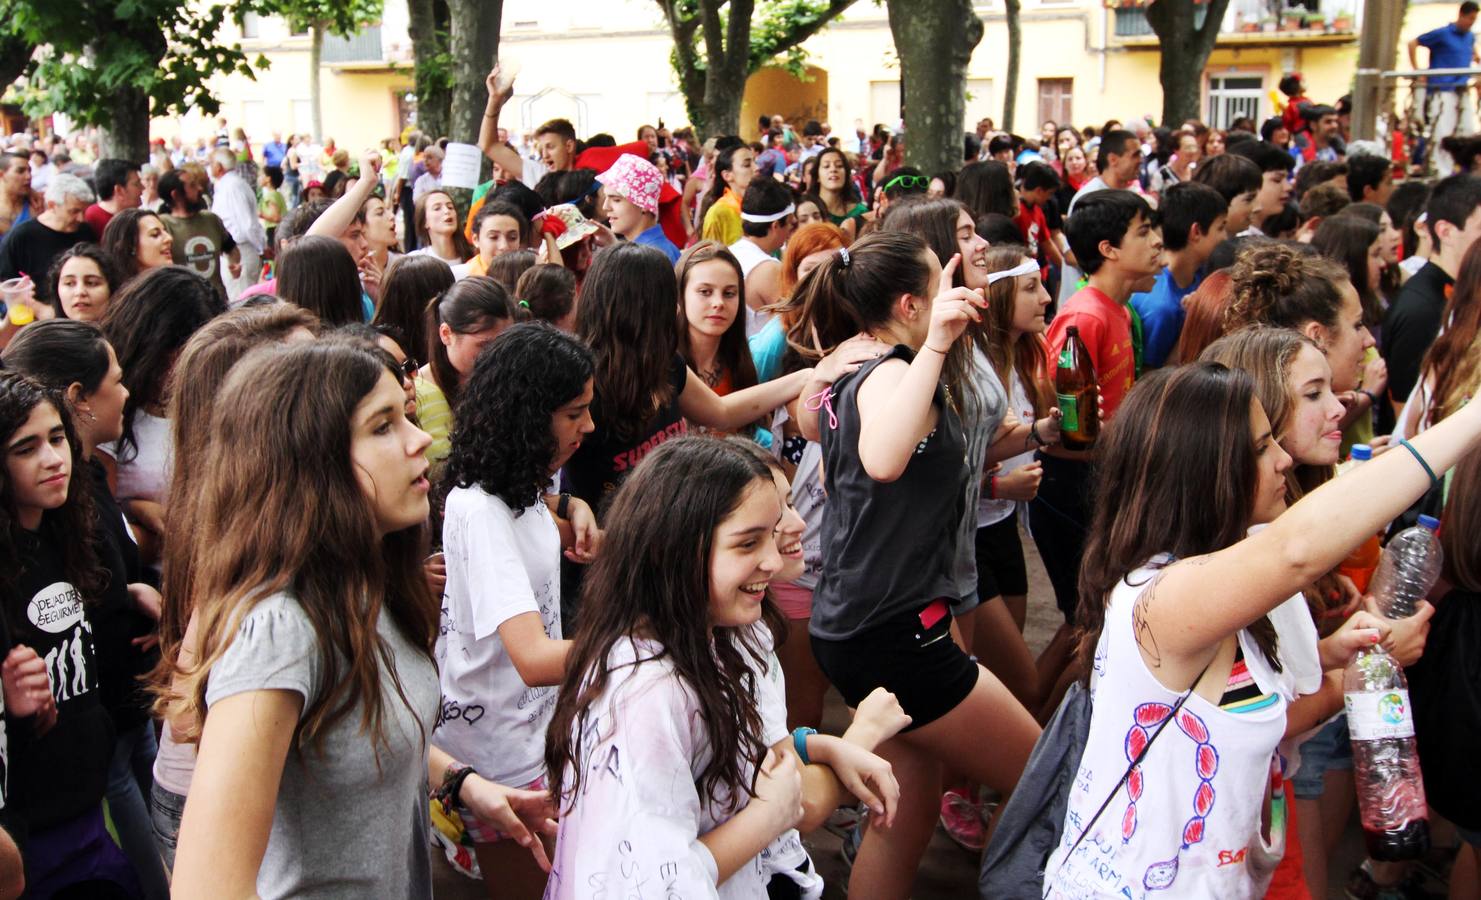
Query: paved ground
947	871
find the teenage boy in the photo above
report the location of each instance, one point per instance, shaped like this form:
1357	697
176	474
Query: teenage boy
1238	181
631	204
119	188
1037	184
1193	217
1275	167
1113	235
1370	179
1453	217
768	218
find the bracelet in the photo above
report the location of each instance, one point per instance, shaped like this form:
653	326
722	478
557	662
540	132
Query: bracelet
992	487
1033	432
1372	397
934	350
799	742
452	786
563	506
1434	482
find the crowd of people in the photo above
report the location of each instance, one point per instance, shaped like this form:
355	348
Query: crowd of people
346	517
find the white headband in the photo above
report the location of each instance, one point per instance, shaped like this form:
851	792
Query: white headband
762	220
1027	267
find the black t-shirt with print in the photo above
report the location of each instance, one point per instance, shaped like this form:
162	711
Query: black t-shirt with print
61	774
604	461
116	623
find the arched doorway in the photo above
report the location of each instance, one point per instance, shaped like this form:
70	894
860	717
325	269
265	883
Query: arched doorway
775	91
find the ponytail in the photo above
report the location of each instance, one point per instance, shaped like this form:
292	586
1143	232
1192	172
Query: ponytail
1285	285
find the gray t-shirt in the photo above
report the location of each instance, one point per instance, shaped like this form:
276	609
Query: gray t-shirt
983	409
341	828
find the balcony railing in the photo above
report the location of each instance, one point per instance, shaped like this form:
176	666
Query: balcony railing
358	48
1271	17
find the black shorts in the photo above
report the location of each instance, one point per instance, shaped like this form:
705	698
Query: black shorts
1000	566
923	667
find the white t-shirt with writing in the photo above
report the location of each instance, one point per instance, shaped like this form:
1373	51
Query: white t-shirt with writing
499	565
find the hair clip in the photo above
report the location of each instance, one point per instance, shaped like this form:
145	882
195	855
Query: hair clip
843	255
525	304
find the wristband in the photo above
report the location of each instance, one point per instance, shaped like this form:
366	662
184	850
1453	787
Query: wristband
1372	397
1033	432
1434	482
934	350
563	506
452	785
799	742
992	487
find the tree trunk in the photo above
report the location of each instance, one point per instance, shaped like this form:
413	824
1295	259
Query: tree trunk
1015	46
316	50
934	39
428	30
474	44
125	135
1184	53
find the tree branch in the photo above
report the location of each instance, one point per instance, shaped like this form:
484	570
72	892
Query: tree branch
800	32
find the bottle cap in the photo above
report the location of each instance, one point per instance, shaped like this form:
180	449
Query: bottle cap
1362	452
1430	522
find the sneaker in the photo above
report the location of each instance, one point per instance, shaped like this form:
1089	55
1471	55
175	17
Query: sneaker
1361	886
962	820
852	840
845	819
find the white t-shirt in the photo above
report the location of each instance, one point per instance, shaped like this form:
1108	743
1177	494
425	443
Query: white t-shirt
430	251
990	511
146	476
499	566
750	256
533	171
638	816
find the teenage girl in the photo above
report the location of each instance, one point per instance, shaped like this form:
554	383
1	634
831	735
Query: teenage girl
734	169
840	195
82	280
498	228
410	285
712	330
438	234
1175	599
894	465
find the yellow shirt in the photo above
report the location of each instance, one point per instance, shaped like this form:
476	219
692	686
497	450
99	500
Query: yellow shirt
723	222
435	416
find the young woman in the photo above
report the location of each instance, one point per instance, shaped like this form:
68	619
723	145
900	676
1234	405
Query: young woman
1187	153
204	363
806	249
712	333
1356	244
148	322
734	169
507	268
1390	241
410	286
498	228
692	796
1205	312
1451	371
1076	171
1283	285
438	234
841	201
318	274
59	743
809	210
987	187
139	242
1211	143
1175	609
549	292
893	462
468	316
74	360
312	675
82	280
526	408
380	234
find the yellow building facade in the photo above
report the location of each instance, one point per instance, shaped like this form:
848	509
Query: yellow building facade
604	64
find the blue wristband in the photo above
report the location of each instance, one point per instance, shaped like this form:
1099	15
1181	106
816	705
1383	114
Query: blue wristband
799	742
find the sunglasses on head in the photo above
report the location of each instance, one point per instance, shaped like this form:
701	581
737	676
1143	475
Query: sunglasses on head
908	181
410	367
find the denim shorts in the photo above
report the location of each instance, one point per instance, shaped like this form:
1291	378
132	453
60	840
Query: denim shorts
1328	750
165	809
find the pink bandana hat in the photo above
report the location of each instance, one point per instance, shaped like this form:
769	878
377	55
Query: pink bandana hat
635	178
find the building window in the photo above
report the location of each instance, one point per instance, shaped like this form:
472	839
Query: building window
1233	96
1056	100
251	26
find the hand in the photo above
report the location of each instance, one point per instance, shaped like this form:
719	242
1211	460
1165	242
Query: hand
878	718
847	357
1022	483
234	266
953	309
603	237
1349	596
500	88
435	569
27	686
147	514
867	777
370	166
588	537
146	600
1406	637
523	815
1048	427
1381	444
371	275
1375	376
1360	632
779	791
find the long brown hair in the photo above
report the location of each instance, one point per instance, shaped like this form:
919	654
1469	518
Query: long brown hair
196	382
1462	520
1203	322
1028	356
1176	474
734	354
1453	358
652	581
280	509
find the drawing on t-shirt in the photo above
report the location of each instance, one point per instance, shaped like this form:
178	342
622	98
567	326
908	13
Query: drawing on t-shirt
1161	875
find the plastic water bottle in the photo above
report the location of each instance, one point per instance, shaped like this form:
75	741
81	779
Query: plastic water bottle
1361	563
1410	566
1390	789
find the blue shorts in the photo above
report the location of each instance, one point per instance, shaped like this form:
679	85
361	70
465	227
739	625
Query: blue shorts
1328	750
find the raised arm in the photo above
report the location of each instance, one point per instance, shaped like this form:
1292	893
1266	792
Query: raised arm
1199	602
335	220
500	90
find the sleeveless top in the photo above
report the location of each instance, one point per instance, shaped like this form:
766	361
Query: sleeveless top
1190	819
888	548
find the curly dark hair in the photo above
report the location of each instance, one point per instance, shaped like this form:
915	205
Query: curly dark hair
502	441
